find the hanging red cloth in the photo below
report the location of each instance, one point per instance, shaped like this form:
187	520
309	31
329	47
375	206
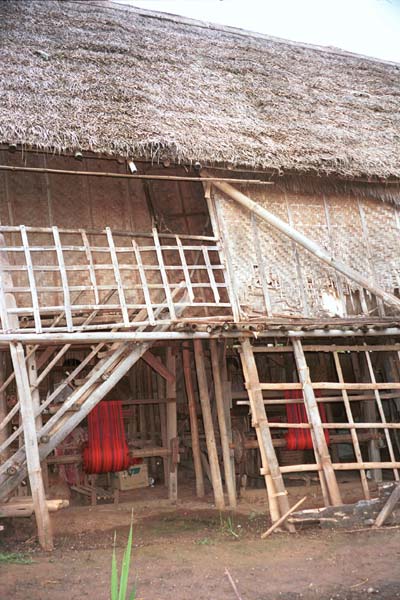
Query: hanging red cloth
107	450
300	439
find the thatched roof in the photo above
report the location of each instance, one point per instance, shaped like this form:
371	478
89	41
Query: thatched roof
112	79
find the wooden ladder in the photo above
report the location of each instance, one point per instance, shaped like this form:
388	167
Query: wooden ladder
277	493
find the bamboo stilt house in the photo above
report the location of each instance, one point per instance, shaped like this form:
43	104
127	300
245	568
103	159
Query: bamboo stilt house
184	204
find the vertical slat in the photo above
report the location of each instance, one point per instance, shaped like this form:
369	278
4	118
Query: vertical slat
185	269
163	272
217	223
353	432
64	278
89	258
382	414
314	419
117	275
261	266
31	278
143	279
210	273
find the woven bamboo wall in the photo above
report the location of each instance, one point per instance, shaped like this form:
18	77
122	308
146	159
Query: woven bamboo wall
363	232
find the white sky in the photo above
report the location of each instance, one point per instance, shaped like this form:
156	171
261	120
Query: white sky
370	27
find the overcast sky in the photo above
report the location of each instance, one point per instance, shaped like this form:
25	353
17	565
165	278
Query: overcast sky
370	27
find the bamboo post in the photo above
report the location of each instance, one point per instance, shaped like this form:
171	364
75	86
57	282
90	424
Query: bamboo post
388	507
321	447
172	427
353	432
31	446
31	366
219	399
312	247
227	390
194	426
208	424
277	494
163	425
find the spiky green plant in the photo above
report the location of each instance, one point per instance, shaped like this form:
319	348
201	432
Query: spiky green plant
119	591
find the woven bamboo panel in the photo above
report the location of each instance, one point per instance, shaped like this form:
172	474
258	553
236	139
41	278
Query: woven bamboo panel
350	228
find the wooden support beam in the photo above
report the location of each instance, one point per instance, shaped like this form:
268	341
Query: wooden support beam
320	447
172	428
194	427
219	399
388	507
155	363
31	447
277	493
202	381
315	249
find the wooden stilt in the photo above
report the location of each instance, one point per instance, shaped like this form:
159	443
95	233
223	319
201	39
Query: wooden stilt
172	428
194	427
33	381
3	406
227	391
31	446
388	507
208	424
219	399
277	494
321	447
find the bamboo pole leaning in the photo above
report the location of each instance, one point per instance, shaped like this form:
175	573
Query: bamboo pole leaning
208	424
219	399
194	427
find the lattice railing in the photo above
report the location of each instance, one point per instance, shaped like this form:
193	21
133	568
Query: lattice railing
54	279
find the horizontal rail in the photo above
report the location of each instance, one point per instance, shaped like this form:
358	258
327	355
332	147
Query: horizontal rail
128	176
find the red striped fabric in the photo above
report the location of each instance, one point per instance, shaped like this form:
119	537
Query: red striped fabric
107	450
300	439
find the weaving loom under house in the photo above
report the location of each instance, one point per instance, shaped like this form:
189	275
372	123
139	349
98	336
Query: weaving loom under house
199	261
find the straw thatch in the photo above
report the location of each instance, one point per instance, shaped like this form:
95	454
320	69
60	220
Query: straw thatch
112	79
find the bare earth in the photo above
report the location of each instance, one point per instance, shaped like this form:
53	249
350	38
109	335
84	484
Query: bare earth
181	553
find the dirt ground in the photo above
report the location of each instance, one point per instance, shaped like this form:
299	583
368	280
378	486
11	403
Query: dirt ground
182	552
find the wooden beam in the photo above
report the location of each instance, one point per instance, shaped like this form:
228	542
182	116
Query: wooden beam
219	399
208	424
155	363
388	507
172	428
31	447
315	249
194	426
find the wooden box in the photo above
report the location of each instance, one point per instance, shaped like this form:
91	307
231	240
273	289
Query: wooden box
136	477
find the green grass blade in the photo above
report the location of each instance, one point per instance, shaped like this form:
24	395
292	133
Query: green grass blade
123	584
114	575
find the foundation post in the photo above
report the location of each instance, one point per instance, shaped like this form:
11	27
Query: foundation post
219	399
31	447
194	427
172	428
208	424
